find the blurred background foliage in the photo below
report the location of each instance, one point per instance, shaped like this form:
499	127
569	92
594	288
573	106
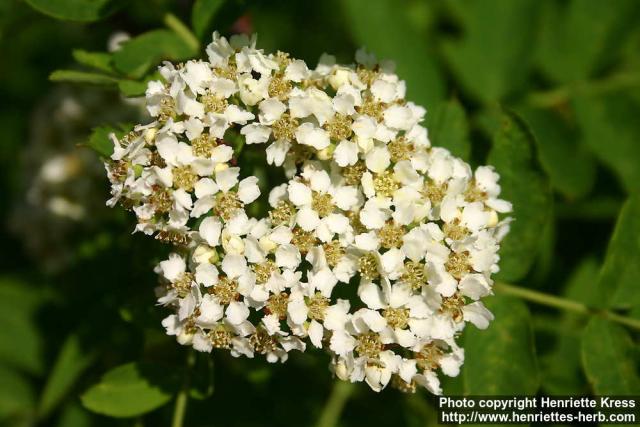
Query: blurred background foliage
547	91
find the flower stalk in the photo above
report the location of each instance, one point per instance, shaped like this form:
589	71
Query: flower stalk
180	408
565	304
340	394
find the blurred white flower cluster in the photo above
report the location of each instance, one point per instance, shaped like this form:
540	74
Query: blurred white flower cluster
377	249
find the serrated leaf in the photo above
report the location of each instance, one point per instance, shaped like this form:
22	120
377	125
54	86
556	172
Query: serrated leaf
502	360
448	128
71	362
98	60
202	15
611	130
618	281
140	53
77	10
579	36
73	76
132	389
609	358
492	57
527	189
384	29
570	167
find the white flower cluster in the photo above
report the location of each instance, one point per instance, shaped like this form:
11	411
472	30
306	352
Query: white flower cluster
378	248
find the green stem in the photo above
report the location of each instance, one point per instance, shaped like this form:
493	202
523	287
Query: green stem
180	408
338	398
565	304
562	94
172	21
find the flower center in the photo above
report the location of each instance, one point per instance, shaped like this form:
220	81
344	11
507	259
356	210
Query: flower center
184	177
414	275
353	174
303	240
282	213
203	145
279	88
227	204
322	203
399	149
263	271
458	264
317	305
397	318
213	104
262	342
333	252
226	290
369	345
368	267
453	305
339	127
182	285
429	356
391	235
435	192
285	127
385	184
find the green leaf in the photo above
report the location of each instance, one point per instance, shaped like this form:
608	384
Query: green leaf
132	88
71	362
524	186
492	58
448	128
16	393
570	167
76	10
98	60
73	76
100	142
611	130
580	36
132	389
388	31
21	344
502	360
618	281
202	15
139	54
609	359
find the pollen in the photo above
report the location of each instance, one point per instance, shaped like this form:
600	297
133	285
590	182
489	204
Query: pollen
369	345
474	194
282	213
399	149
322	203
414	275
397	318
354	221
279	88
285	127
391	235
119	169
372	108
157	160
184	177
220	338
226	290
385	184
339	127
303	240
161	199
262	342
317	305
172	237
429	357
454	230
213	103
183	284
333	252
203	145
283	59
458	264
277	304
167	109
227	204
453	305
435	192
228	72
263	271
366	75
353	174
368	267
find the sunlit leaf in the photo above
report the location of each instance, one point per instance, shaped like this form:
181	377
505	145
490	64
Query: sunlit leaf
448	128
139	54
492	57
132	389
77	10
386	30
501	360
98	60
73	76
618	281
609	358
526	187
